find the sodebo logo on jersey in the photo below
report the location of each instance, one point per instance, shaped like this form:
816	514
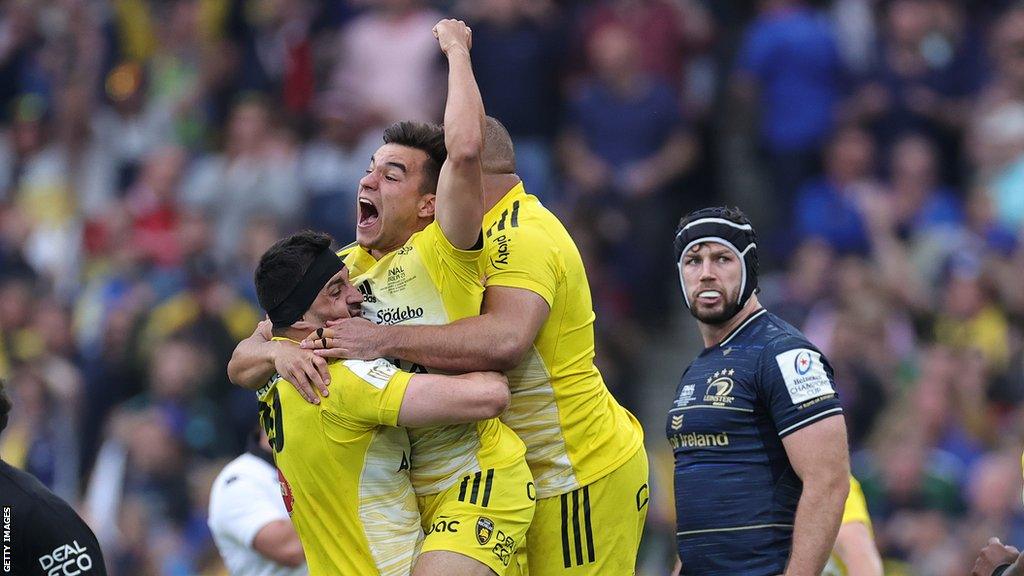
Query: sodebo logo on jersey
66	560
397	315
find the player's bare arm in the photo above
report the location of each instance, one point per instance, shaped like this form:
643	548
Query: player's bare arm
459	205
279	542
434	399
856	548
820	457
497	339
257	358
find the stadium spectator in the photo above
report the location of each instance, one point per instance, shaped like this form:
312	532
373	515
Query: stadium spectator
623	146
830	208
667	32
257	174
518	63
926	74
798	90
332	164
386	57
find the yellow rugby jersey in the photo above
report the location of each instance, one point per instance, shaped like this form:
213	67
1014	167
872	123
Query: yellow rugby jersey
575	431
855	510
344	470
429	281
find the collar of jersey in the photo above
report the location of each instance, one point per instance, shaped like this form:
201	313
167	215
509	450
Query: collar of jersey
359	260
728	338
286	339
517	190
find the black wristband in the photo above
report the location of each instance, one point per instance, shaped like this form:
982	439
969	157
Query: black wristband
1001	568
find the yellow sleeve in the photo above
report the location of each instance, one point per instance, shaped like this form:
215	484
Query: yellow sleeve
453	270
524	257
856	509
370	393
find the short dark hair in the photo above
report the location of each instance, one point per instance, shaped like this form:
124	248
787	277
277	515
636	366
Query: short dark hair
499	155
5	405
422	136
734	215
281	267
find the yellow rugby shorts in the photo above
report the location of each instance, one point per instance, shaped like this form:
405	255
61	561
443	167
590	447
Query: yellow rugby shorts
484	517
593	530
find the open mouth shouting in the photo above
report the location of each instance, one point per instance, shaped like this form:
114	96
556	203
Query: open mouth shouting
369	214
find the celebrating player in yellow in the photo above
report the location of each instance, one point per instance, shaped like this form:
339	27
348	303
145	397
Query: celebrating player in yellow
585	450
343	464
416	261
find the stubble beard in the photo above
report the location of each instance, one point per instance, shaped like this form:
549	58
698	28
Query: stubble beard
715	317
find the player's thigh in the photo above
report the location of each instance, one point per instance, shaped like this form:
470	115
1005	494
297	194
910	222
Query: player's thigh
594	530
442	562
484	518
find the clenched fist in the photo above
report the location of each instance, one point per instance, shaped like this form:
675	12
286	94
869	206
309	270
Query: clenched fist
451	33
994	555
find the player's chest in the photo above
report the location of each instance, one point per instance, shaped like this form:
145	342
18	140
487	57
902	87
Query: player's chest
399	290
714	398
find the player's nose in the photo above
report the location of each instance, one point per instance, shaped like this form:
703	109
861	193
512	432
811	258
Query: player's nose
354	295
707	271
369	180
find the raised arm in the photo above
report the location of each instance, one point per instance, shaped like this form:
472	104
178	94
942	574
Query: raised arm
820	457
459	205
497	339
998	559
434	399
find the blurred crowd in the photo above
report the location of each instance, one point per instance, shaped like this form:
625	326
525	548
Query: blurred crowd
151	150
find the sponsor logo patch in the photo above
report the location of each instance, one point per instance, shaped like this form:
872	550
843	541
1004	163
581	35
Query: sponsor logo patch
804	375
66	560
720	388
377	372
484	530
685	395
398	315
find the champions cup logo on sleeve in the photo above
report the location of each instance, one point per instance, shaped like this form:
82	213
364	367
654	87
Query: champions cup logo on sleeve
802	362
804	374
66	560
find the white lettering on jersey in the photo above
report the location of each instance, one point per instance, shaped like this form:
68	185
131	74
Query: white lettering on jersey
804	374
66	560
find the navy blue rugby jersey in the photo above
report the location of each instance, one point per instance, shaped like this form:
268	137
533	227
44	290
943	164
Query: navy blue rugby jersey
736	493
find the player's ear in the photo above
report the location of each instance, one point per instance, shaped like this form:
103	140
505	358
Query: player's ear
307	323
425	206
